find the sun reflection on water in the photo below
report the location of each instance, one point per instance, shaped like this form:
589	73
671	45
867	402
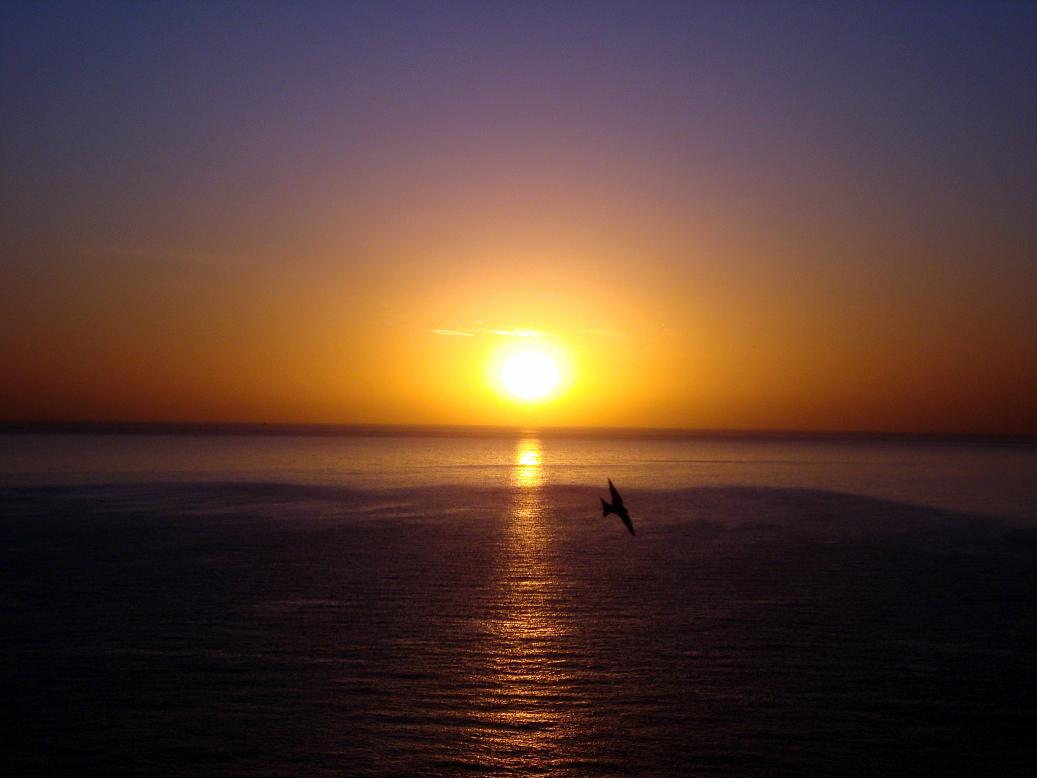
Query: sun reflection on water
529	460
527	712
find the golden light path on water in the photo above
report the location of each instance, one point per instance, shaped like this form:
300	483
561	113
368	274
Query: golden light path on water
530	711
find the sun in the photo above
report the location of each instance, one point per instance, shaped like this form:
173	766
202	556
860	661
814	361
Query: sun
530	376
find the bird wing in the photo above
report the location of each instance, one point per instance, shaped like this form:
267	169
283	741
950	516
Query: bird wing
626	520
617	501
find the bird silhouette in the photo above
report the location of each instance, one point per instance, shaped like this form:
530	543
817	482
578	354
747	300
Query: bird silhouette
617	508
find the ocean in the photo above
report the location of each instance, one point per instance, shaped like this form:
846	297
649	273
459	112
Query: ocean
442	602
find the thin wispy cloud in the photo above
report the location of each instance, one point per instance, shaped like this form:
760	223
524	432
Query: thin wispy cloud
516	333
453	333
519	333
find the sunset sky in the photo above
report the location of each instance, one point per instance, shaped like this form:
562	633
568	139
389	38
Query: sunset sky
708	215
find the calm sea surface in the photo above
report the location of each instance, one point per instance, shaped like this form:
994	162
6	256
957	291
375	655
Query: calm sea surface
393	604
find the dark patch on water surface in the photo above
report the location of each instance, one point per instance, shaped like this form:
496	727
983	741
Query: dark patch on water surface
269	628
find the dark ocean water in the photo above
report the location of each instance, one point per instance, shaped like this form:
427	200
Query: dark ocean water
462	607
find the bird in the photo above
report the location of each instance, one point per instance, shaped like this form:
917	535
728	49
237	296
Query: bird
617	508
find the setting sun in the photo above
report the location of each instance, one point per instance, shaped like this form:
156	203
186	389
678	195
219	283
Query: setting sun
530	375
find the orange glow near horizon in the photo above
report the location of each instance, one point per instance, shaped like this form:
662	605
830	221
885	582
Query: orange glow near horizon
195	343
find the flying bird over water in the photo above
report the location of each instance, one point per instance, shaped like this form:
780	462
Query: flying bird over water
616	507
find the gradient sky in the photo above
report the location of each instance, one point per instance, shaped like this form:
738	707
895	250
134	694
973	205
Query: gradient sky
767	215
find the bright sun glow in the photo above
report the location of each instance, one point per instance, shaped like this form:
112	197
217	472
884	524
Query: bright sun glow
530	375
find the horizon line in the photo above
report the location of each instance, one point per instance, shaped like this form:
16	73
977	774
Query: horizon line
485	430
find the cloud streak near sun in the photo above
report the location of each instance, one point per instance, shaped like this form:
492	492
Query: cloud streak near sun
516	333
